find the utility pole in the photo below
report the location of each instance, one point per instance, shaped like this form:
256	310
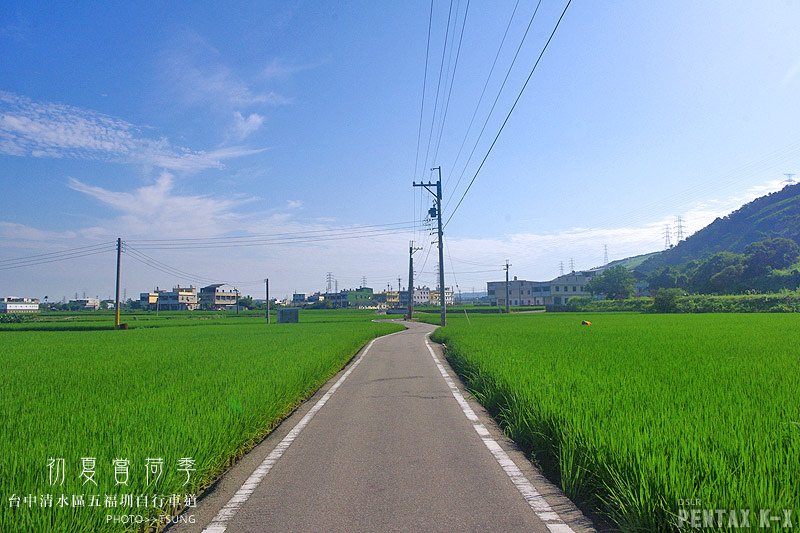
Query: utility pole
437	212
237	300
116	303
411	251
399	288
266	288
508	306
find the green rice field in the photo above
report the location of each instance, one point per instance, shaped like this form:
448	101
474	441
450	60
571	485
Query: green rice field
645	419
200	386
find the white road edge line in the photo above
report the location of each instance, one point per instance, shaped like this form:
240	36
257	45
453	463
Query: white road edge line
539	505
220	522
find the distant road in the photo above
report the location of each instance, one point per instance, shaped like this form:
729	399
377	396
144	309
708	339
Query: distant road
391	449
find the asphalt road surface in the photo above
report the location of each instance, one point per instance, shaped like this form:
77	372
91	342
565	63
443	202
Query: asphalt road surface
391	448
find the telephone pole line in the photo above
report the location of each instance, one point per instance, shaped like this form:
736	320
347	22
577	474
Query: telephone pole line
508	306
437	212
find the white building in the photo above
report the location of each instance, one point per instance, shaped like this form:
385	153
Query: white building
13	304
555	292
178	299
87	304
422	296
448	297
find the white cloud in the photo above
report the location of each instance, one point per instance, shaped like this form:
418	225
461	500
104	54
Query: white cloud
279	69
294	204
29	128
156	209
199	76
791	74
245	126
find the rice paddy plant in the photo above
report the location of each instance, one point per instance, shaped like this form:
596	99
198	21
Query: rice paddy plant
648	418
166	393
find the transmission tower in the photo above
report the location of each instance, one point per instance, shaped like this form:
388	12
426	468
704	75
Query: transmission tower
561	267
571	265
667	238
789	178
363	281
679	229
605	254
329	281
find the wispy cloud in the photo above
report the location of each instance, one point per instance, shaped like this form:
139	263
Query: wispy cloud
199	76
278	69
158	206
294	204
245	126
791	73
52	130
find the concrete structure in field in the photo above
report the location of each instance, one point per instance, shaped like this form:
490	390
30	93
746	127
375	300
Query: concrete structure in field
288	315
15	305
178	299
555	292
87	304
214	298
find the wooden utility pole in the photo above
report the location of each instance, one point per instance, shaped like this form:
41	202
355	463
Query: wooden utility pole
508	307
437	212
266	287
116	299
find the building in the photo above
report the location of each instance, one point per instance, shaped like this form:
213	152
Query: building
392	298
86	304
555	292
359	297
178	299
298	298
148	300
448	297
422	296
15	305
214	298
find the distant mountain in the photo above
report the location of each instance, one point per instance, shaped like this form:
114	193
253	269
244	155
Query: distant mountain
634	261
774	215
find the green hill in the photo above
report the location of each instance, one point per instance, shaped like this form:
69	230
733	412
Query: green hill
774	215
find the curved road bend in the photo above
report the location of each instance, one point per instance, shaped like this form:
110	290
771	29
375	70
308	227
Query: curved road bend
391	449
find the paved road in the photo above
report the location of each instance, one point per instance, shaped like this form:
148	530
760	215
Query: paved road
390	450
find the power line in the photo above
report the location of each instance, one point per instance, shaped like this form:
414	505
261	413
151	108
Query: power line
424	84
278	240
321	231
438	84
483	92
496	99
53	257
544	49
452	81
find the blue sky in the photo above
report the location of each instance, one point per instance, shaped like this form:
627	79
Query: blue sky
198	121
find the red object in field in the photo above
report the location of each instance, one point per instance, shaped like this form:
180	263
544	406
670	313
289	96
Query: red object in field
585	323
